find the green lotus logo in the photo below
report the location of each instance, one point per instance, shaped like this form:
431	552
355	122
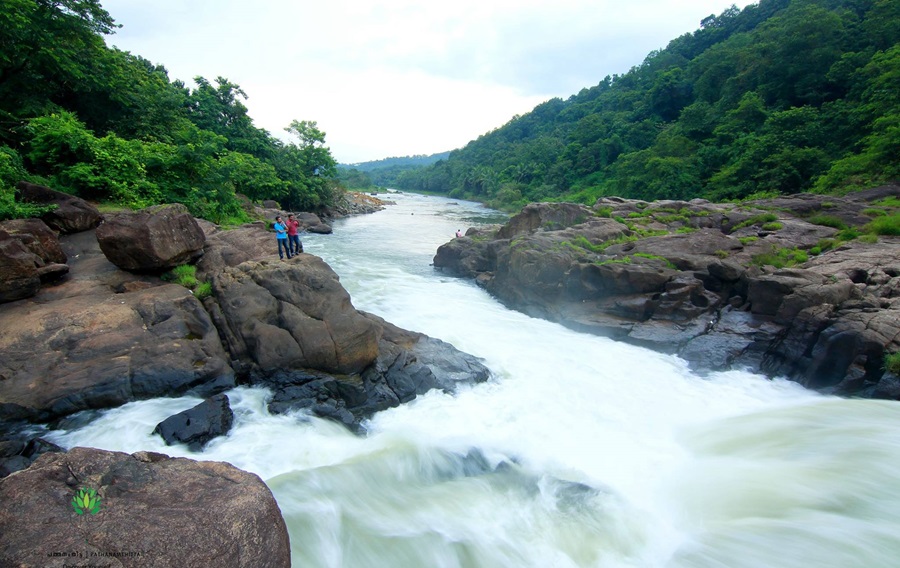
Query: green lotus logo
86	501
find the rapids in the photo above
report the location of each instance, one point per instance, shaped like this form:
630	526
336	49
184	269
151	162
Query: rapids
580	451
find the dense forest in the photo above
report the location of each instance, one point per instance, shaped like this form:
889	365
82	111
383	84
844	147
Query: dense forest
111	127
781	97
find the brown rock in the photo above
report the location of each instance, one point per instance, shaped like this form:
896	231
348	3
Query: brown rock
154	511
294	314
18	270
72	214
154	239
37	237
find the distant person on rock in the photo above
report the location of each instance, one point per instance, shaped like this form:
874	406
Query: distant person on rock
459	233
293	228
281	235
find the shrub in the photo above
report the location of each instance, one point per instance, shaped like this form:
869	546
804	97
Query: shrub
604	212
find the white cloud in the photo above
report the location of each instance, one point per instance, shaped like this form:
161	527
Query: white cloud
399	77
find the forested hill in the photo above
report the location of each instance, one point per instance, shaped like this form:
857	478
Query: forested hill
384	172
780	97
110	126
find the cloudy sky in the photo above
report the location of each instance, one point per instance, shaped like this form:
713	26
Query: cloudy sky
400	77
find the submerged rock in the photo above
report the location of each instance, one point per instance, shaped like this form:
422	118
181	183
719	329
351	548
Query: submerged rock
197	426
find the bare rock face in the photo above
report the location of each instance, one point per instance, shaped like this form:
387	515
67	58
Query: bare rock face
154	239
148	510
72	214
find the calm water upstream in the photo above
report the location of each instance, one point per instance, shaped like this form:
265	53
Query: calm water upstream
579	452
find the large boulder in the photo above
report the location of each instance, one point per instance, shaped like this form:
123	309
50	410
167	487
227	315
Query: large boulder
19	276
72	214
292	315
153	239
196	426
152	510
37	237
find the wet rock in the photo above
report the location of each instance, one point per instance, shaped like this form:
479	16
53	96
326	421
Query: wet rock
197	426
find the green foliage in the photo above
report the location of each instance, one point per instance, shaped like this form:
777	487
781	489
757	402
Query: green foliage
203	290
869	238
780	257
780	97
827	221
888	202
86	501
722	253
760	219
747	240
184	275
887	225
109	126
773	226
873	212
892	363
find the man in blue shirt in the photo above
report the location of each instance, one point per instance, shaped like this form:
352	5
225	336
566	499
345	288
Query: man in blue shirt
281	235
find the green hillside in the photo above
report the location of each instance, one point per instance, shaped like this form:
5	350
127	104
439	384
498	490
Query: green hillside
110	126
780	97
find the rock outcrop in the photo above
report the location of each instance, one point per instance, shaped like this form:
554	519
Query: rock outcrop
151	240
151	510
104	337
697	279
291	326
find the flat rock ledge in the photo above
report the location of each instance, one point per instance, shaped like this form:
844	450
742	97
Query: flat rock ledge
149	510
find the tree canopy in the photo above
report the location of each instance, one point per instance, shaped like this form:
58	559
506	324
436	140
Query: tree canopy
110	126
780	97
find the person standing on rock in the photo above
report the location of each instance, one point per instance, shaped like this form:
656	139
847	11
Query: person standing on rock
282	237
293	228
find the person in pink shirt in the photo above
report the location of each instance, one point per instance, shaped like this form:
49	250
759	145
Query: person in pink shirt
293	228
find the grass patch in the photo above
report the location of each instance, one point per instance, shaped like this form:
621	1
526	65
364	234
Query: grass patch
604	212
773	226
649	256
685	230
827	221
185	275
756	220
892	363
748	240
722	253
203	290
887	225
872	212
871	239
625	260
780	257
888	202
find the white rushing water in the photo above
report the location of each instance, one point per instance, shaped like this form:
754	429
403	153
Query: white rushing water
579	452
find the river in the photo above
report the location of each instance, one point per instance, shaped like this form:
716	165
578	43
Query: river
580	451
